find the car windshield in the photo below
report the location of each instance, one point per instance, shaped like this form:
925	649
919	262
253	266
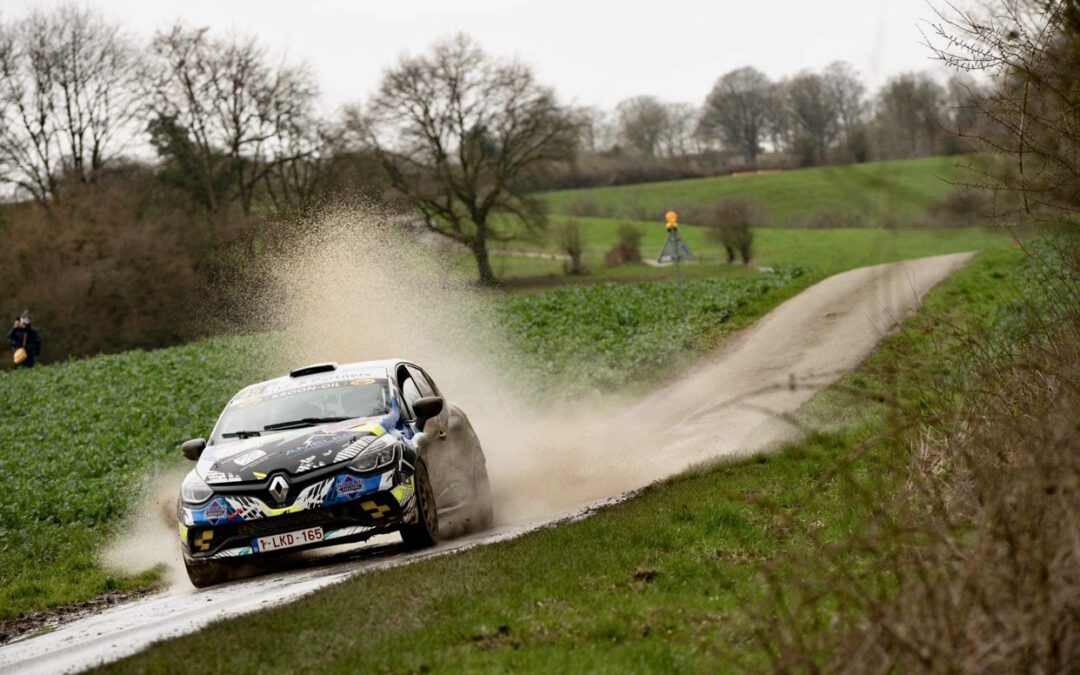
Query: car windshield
250	413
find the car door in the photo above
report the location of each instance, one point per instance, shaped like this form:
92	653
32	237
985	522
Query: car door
447	454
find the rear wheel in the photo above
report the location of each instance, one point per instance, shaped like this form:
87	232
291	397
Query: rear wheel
209	573
425	531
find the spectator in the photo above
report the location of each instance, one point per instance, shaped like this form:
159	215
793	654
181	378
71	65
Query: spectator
23	336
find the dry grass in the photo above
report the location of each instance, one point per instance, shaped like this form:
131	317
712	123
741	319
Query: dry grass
973	563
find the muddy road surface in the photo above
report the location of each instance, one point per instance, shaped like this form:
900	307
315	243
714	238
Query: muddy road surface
731	403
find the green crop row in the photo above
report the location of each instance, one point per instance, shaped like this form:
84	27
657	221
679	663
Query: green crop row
607	336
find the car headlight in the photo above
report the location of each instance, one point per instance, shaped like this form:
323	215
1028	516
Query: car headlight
194	490
379	454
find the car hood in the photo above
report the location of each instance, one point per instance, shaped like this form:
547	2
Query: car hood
295	451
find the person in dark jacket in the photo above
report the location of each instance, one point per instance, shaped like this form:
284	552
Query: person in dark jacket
22	334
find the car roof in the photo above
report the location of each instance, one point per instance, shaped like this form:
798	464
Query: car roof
356	369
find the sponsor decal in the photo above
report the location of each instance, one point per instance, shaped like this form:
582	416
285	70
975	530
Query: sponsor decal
214	476
309	463
350	486
216	512
249	457
316	442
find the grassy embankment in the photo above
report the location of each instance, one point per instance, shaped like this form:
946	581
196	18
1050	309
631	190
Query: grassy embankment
882	206
661	582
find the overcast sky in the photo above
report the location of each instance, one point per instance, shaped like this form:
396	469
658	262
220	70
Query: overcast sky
594	53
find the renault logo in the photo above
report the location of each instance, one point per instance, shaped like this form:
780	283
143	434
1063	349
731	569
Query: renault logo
279	488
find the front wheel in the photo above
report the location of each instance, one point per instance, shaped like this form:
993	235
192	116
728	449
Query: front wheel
425	531
205	574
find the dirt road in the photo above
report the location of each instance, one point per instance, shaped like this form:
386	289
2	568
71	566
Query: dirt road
730	404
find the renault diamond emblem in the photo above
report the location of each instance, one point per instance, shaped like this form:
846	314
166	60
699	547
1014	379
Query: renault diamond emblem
279	488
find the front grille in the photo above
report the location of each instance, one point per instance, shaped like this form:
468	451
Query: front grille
285	523
382	512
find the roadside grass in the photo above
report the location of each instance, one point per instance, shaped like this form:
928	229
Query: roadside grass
875	193
665	581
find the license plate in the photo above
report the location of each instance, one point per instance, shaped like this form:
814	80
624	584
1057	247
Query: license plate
288	540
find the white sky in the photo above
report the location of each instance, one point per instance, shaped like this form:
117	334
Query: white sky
594	53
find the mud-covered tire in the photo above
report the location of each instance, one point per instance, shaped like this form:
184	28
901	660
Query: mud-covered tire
425	531
209	573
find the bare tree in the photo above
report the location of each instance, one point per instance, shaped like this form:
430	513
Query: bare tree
815	112
462	135
598	132
681	137
736	110
226	114
643	121
779	125
910	113
849	96
1031	50
67	98
966	99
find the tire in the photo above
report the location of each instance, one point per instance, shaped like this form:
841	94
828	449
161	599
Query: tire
425	531
205	574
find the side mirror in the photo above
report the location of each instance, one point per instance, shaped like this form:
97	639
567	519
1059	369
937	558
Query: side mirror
426	408
193	448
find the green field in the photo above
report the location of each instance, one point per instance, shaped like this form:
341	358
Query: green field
826	251
669	580
830	218
875	193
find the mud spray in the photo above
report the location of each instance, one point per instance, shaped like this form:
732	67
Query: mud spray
354	288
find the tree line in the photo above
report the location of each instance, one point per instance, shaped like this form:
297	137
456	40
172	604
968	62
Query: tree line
143	174
808	119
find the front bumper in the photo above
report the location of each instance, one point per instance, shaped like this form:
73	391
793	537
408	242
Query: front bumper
228	526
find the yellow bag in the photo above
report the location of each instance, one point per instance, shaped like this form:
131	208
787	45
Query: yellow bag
20	353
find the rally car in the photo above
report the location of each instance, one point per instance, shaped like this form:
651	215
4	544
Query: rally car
330	454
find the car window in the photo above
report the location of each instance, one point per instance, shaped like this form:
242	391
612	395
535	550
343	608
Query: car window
362	397
422	381
409	392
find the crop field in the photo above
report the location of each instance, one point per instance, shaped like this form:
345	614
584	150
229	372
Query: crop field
616	337
876	193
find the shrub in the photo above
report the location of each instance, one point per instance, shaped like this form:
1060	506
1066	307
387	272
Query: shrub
729	222
962	206
628	248
571	244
